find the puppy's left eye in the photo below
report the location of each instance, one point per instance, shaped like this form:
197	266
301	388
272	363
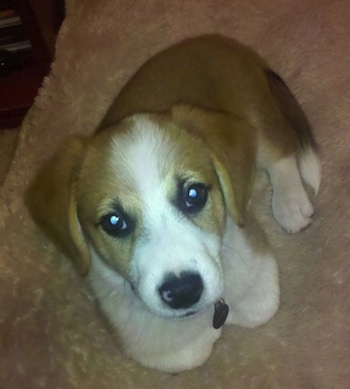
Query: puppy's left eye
115	224
193	197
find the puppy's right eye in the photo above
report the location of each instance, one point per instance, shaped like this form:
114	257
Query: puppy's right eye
115	224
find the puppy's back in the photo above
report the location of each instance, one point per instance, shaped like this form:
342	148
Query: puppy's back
210	71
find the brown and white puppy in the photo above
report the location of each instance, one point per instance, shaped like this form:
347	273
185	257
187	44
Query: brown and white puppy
152	207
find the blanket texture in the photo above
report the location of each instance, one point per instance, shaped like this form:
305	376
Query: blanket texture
52	335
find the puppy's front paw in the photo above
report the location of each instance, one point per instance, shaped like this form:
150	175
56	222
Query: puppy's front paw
292	210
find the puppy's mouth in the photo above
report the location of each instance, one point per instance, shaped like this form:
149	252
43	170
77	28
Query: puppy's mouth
221	310
190	313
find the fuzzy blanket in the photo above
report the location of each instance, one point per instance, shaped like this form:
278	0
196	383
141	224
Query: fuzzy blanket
51	334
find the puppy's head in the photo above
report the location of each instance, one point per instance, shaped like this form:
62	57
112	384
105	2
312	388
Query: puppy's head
150	200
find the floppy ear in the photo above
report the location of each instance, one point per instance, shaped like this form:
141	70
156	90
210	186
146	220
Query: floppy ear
232	141
52	203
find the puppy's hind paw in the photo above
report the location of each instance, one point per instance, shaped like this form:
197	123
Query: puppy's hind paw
293	211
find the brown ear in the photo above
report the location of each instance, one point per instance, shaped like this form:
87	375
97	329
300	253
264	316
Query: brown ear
232	141
52	203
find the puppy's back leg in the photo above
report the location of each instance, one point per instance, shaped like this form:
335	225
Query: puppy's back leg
293	161
310	168
291	206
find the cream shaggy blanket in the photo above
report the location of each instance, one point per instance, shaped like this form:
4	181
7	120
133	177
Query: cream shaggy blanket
51	334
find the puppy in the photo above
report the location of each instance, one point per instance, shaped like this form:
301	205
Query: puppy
152	207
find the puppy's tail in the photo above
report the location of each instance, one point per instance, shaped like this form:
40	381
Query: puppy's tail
308	161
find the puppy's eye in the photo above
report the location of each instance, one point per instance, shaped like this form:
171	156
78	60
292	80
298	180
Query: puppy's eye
194	197
115	224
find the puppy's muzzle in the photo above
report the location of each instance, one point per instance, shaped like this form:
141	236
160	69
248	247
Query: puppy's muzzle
181	292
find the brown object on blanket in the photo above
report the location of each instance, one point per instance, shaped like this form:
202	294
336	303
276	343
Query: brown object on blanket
51	334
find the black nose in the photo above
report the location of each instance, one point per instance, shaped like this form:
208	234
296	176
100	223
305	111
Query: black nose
181	292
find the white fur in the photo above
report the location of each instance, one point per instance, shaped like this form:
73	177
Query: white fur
310	169
160	343
251	280
251	290
152	332
291	206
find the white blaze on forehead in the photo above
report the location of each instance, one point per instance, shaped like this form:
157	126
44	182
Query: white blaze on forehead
148	150
145	152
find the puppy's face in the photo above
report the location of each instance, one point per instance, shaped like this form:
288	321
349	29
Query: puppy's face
151	206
